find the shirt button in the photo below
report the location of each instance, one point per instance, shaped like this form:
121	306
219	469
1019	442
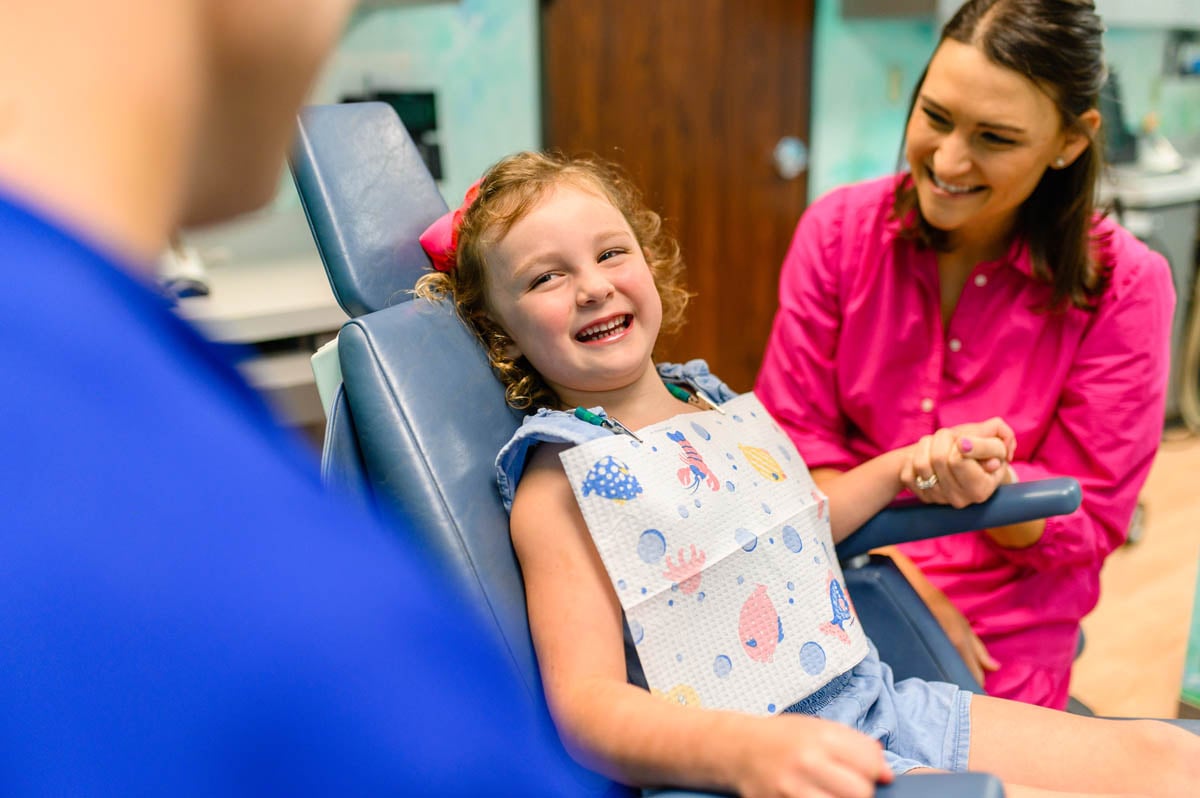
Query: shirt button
926	405
981	280
955	344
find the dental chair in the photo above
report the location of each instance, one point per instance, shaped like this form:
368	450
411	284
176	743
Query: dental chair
417	421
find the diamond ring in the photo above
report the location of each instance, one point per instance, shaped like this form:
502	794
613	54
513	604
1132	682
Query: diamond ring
925	483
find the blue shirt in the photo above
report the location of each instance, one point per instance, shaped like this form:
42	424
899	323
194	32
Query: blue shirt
183	610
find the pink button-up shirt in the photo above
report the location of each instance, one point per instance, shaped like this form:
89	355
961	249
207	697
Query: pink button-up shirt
859	363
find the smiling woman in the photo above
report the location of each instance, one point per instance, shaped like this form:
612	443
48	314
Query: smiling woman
978	144
982	283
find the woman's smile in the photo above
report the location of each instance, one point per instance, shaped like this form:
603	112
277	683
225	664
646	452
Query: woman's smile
952	189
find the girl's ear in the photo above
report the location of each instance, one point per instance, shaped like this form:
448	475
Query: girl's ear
511	350
1076	141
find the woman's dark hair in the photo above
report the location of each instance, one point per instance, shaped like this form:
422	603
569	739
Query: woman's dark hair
1056	44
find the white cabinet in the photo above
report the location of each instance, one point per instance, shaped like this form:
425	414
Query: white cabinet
1150	13
1184	14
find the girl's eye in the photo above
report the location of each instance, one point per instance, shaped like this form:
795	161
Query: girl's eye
541	279
610	253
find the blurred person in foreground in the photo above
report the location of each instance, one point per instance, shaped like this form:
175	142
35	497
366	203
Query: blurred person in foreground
185	611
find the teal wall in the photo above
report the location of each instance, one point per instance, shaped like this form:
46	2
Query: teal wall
480	57
1191	666
858	115
863	74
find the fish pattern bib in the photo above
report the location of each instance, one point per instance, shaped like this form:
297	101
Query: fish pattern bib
718	544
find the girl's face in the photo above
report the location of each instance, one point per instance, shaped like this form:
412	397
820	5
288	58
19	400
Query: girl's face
979	139
570	285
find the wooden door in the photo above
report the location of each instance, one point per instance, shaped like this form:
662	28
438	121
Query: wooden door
691	96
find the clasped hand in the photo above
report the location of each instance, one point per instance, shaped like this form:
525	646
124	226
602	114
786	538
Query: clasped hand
961	465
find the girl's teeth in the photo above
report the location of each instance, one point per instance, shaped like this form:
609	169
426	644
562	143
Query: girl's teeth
599	332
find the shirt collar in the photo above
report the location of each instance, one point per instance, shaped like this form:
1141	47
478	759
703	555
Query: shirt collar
1017	255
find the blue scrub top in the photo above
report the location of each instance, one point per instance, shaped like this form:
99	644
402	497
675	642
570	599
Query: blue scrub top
183	610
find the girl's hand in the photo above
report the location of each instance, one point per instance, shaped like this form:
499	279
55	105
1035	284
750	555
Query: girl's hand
797	756
961	465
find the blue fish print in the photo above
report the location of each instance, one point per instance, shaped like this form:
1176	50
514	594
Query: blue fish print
610	479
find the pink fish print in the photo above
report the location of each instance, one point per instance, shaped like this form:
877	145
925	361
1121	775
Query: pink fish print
759	626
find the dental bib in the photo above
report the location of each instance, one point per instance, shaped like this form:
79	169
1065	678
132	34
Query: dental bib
718	544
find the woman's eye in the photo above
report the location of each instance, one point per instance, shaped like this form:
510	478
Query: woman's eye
998	140
936	119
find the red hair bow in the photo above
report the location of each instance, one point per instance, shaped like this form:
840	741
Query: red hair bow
440	239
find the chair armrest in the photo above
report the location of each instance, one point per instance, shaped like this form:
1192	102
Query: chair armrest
926	785
943	785
1010	504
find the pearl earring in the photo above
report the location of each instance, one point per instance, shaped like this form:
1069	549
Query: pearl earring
1059	163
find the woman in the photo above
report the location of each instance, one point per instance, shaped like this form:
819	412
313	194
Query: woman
979	283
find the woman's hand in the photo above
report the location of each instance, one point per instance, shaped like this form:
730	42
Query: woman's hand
799	756
958	629
961	465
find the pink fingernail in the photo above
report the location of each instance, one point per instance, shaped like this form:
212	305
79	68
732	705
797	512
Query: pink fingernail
966	445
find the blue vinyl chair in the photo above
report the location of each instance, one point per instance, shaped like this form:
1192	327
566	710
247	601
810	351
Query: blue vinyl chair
419	418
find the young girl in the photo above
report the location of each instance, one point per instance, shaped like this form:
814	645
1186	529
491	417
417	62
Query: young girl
568	279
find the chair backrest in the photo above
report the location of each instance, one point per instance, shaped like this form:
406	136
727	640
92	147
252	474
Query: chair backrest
367	195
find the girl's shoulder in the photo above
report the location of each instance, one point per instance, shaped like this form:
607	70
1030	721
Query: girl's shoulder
544	426
562	427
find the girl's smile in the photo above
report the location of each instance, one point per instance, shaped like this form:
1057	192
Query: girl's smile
570	285
606	331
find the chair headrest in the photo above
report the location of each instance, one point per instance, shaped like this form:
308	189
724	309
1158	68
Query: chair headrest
376	198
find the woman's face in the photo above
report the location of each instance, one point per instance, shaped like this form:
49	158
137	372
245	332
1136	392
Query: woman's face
979	139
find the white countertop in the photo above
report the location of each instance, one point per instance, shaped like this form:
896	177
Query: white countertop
1137	188
265	300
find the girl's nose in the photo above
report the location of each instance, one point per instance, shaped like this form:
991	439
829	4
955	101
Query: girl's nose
594	286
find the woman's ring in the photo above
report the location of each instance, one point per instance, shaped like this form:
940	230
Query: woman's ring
925	483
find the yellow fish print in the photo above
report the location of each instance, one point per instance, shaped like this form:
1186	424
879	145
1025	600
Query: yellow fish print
763	463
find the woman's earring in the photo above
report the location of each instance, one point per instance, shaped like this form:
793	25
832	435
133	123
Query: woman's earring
1059	162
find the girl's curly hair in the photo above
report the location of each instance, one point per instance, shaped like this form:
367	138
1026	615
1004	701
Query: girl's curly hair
507	192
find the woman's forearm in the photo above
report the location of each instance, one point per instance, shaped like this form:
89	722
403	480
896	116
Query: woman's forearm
1018	536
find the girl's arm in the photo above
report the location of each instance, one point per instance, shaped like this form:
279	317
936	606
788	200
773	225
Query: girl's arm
624	731
861	492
